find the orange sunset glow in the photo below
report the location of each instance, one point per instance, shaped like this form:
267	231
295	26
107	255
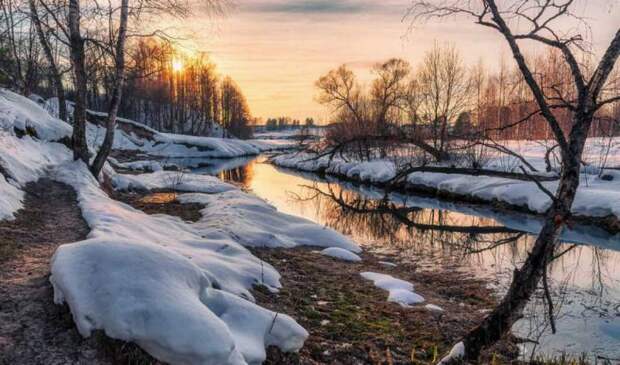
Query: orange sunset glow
277	49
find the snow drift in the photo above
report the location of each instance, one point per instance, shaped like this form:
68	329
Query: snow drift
23	160
181	291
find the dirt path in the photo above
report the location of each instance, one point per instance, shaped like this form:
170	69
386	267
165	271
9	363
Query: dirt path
33	330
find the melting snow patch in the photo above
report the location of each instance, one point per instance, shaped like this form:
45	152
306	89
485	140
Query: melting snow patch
457	352
155	280
254	223
387	263
173	180
434	308
341	254
401	291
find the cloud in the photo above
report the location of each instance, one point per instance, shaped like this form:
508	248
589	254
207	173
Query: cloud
312	6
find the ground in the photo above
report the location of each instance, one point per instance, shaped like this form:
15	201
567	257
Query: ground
349	320
32	329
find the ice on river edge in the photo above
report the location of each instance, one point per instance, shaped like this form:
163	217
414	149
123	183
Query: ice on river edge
181	291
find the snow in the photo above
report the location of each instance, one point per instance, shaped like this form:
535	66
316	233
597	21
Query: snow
434	308
10	199
170	180
596	196
341	254
254	223
180	290
155	280
457	352
169	307
387	263
143	165
400	291
172	145
22	113
23	160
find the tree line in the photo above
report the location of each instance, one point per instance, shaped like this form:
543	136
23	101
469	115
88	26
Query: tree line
442	101
282	123
99	56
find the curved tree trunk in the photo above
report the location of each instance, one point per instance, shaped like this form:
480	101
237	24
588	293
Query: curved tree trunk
117	92
525	280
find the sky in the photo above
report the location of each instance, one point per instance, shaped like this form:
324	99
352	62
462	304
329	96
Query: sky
276	49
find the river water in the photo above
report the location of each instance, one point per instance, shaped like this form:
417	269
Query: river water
584	279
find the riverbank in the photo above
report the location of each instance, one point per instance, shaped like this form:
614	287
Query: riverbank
597	202
348	319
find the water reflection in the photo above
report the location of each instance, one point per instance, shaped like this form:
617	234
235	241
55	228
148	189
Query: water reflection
584	277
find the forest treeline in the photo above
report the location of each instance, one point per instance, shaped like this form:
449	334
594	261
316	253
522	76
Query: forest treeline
167	89
441	102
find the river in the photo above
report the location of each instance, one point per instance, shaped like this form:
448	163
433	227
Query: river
488	244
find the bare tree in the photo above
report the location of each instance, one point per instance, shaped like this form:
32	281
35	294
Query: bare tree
541	18
78	59
117	90
370	119
445	90
389	90
113	45
20	60
55	74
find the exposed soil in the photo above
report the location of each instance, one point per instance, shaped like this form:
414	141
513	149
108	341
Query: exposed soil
350	321
348	318
161	203
33	330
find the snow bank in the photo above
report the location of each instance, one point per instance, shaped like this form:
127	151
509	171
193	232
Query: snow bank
25	159
155	280
10	199
265	145
170	180
133	136
169	307
254	223
400	291
341	254
596	197
142	165
22	113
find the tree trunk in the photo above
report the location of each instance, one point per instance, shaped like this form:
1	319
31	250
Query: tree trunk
54	73
525	281
117	92
76	42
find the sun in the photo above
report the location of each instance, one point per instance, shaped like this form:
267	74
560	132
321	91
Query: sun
177	65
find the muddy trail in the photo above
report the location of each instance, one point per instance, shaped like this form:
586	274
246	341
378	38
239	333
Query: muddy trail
33	330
